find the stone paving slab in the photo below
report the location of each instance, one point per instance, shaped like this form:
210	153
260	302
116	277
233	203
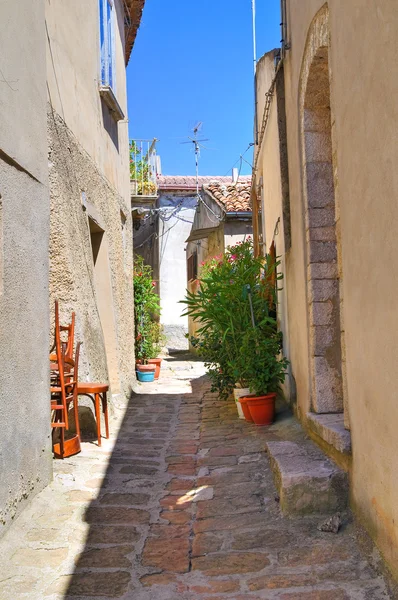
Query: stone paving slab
179	504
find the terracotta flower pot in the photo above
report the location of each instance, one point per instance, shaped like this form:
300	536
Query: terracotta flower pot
245	408
261	408
144	368
145	373
157	362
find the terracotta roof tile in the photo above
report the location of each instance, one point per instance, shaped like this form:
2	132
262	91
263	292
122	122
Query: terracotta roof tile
185	182
233	197
133	10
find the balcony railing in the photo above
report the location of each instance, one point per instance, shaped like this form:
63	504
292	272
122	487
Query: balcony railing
143	168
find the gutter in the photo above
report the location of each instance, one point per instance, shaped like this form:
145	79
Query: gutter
239	215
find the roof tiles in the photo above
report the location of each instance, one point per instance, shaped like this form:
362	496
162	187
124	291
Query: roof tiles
185	182
233	197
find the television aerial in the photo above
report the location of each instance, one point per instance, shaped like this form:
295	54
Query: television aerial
197	147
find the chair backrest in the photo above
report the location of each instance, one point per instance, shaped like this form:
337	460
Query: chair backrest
70	329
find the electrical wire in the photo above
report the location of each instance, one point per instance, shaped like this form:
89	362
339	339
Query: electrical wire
239	159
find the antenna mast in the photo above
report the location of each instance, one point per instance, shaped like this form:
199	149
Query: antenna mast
194	140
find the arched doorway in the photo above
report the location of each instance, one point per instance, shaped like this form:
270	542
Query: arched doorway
322	248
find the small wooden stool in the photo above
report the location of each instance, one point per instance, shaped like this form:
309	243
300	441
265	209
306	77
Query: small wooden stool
96	392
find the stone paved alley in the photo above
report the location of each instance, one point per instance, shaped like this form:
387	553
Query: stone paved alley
179	504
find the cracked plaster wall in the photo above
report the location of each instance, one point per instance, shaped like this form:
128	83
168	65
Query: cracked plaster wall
73	172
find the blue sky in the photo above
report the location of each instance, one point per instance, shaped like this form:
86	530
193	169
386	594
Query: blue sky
193	61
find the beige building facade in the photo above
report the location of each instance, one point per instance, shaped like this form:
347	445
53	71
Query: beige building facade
25	450
326	183
91	257
65	217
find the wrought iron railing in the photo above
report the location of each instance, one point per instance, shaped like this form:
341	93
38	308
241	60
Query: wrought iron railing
143	168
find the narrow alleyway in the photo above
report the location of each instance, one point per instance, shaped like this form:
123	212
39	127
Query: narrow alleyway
180	504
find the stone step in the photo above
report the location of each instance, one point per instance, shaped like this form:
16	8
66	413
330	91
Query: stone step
307	481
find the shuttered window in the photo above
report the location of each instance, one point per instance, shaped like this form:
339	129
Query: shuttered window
193	266
107	42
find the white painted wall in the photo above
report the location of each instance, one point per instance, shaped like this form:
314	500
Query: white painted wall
172	257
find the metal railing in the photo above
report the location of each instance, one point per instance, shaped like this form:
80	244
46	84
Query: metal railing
143	167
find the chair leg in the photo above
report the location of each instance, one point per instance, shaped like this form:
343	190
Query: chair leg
76	413
62	442
105	411
98	416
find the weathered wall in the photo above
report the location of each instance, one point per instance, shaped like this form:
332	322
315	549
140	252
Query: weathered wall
90	193
75	182
236	230
73	67
174	226
364	150
25	448
271	186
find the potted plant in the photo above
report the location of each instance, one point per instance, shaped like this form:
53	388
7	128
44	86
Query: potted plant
146	314
235	290
157	340
264	368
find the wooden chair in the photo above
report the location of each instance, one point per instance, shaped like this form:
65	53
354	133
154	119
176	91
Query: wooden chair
70	329
63	387
97	392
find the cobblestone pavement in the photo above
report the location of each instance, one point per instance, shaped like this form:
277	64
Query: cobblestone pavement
179	504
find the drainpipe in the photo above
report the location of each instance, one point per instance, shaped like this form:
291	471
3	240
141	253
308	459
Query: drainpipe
284	43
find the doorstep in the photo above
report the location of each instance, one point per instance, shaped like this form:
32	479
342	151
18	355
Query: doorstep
330	428
307	481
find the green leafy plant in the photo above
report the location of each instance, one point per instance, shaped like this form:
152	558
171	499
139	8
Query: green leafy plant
261	363
140	171
235	304
146	312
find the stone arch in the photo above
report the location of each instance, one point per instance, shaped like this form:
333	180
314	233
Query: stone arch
322	252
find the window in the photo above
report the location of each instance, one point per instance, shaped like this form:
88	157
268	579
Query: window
107	42
193	266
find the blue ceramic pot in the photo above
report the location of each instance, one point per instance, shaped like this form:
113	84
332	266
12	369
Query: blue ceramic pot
149	376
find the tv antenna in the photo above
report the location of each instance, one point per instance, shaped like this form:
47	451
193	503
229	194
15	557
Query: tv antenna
197	146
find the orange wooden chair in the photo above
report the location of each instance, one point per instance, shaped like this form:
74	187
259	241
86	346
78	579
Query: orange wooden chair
63	387
70	329
97	392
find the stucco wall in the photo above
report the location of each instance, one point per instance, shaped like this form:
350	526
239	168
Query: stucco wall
270	184
25	448
79	192
363	114
90	193
73	66
236	230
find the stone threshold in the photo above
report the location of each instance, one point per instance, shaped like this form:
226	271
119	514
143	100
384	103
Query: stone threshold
330	428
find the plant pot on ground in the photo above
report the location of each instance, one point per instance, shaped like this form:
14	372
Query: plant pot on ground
157	362
145	373
264	369
236	291
261	408
243	403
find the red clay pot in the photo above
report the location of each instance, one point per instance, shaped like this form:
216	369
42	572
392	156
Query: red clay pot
145	368
157	362
261	408
245	408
